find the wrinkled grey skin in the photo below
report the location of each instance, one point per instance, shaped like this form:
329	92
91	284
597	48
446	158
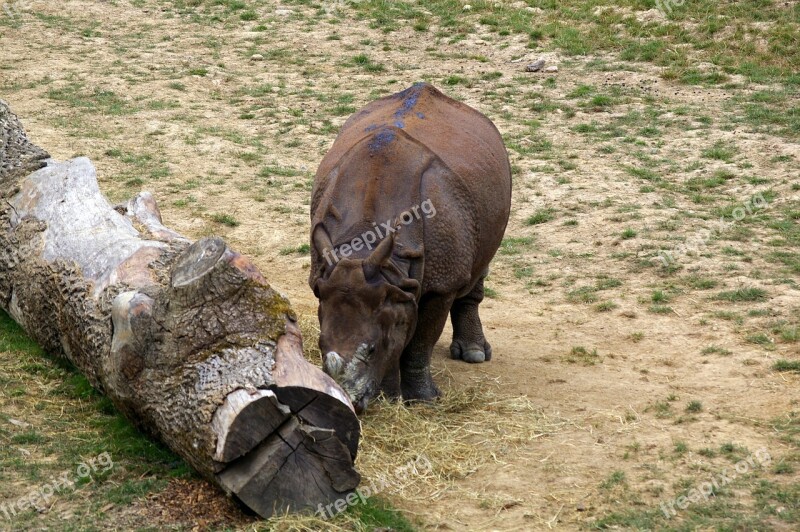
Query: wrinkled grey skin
383	307
367	319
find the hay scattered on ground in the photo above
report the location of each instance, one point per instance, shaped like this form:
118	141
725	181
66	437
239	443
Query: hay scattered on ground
309	327
468	428
416	453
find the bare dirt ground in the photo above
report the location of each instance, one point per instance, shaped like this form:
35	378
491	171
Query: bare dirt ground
640	406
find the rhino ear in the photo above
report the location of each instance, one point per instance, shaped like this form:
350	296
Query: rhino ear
323	246
316	286
322	242
407	291
379	258
411	287
381	255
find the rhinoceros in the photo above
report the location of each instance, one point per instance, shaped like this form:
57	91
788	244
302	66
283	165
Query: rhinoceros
408	208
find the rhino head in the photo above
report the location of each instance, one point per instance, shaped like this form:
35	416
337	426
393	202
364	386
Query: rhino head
367	314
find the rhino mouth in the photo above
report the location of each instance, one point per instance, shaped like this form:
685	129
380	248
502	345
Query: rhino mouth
360	406
352	376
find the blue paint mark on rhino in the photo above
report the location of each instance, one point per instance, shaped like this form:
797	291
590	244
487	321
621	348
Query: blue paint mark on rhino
409	98
386	135
381	140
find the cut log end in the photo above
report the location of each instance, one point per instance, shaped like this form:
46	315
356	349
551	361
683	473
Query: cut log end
277	457
298	469
244	420
197	261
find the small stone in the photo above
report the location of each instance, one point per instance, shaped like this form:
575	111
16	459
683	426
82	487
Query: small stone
467	7
551	68
581	507
284	12
536	66
256	57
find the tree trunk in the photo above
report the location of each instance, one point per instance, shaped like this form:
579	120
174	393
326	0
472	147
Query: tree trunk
188	340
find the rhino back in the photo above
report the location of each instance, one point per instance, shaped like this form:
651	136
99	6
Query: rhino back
410	147
464	139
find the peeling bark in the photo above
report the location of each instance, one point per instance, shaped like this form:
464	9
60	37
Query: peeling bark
187	339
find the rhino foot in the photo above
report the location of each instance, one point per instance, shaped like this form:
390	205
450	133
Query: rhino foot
418	386
390	386
471	352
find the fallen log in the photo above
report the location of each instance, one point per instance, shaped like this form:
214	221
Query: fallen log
187	339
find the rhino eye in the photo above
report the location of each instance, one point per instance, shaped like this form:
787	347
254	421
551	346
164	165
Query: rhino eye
371	349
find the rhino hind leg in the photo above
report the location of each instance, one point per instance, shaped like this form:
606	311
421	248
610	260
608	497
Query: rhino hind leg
469	344
416	381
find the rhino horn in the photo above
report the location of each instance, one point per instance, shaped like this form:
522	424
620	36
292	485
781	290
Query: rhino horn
333	364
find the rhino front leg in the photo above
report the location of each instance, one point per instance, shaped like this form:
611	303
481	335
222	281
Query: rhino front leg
469	343
390	385
415	363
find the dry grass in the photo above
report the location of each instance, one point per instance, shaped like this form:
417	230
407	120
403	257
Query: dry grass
439	444
632	135
467	429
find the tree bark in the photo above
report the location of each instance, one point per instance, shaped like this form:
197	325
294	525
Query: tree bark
187	339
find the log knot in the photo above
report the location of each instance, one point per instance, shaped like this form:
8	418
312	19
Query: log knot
131	318
18	156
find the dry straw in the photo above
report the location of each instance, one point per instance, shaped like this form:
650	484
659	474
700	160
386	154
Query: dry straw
470	427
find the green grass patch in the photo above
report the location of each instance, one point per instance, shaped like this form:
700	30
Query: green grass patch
378	514
100	101
365	62
716	350
743	294
225	219
539	217
302	249
515	245
787	365
583	356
